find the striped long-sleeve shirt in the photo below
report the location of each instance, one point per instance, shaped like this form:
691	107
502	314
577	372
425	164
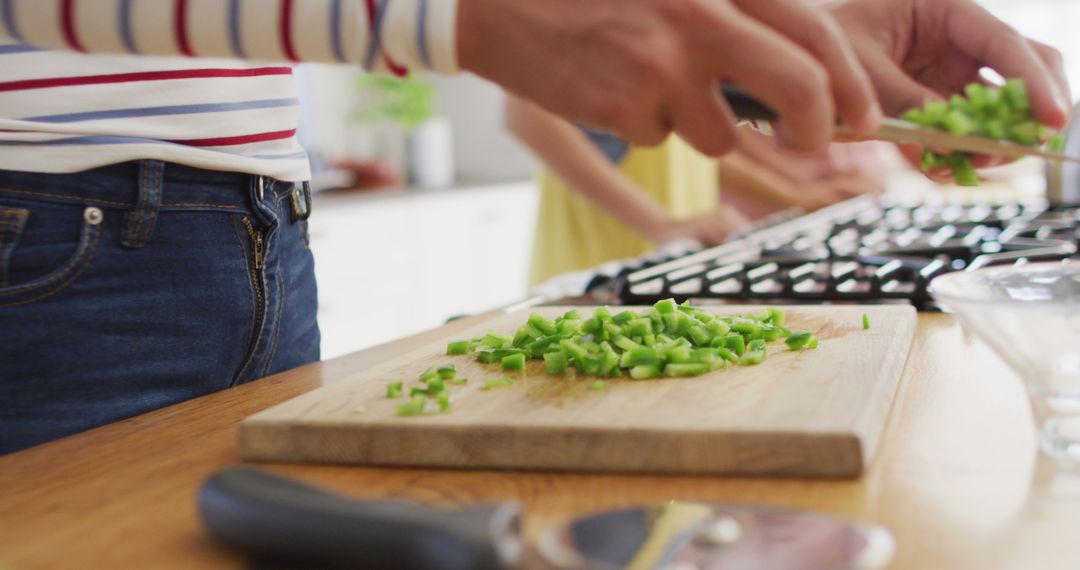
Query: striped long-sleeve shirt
194	93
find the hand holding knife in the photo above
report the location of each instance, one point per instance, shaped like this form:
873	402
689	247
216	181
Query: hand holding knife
747	108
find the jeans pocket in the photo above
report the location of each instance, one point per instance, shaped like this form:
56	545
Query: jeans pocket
14	291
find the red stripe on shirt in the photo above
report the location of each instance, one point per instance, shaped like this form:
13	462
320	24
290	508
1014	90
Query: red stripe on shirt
398	70
140	76
238	140
181	28
285	30
67	23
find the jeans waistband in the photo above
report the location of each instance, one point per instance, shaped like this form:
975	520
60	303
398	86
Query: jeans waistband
121	186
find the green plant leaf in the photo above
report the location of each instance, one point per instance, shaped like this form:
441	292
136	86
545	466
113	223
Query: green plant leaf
406	101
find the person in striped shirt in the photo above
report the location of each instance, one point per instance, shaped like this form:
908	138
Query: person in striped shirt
152	207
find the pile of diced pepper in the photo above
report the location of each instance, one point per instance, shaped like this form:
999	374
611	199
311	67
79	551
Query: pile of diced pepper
667	340
992	112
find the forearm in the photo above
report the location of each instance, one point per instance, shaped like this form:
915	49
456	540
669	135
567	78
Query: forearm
571	157
609	189
411	34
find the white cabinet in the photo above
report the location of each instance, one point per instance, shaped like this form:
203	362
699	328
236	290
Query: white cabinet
394	264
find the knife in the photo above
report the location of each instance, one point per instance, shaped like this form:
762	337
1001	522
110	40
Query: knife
282	523
748	108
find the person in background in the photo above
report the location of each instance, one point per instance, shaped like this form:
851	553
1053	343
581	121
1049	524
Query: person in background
603	199
152	209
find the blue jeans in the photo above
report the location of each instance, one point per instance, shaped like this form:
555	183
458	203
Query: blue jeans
135	286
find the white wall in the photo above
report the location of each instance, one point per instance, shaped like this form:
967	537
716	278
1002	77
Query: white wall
1054	22
393	265
485	150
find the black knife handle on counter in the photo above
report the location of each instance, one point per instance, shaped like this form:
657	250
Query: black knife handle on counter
744	105
282	523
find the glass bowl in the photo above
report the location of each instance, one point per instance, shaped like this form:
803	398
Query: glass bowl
1030	316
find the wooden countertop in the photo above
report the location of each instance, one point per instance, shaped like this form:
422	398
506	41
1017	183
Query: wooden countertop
957	479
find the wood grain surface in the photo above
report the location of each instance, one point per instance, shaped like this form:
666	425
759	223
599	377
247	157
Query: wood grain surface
957	478
807	413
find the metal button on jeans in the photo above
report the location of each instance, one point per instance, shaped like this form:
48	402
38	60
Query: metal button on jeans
93	216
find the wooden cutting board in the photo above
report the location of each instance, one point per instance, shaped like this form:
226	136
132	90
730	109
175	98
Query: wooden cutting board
812	413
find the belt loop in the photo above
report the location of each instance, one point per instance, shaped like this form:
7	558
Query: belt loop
139	223
258	188
301	201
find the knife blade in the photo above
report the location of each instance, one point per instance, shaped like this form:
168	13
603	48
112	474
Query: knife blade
747	108
716	537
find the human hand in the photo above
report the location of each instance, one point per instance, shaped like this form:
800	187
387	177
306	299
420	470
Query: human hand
642	68
762	180
813	195
912	153
841	186
916	50
710	229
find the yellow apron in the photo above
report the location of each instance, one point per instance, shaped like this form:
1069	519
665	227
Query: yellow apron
572	234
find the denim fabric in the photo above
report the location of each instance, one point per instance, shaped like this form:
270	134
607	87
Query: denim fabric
139	285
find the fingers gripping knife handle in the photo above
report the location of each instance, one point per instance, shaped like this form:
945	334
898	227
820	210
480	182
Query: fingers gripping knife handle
744	105
281	521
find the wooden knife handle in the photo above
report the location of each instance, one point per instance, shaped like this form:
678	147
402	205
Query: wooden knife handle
283	523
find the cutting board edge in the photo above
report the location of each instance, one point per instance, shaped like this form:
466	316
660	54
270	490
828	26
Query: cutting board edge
872	432
822	455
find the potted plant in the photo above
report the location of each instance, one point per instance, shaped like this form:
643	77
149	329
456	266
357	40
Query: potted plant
401	114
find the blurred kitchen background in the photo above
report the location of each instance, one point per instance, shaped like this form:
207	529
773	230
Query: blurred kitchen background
426	205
